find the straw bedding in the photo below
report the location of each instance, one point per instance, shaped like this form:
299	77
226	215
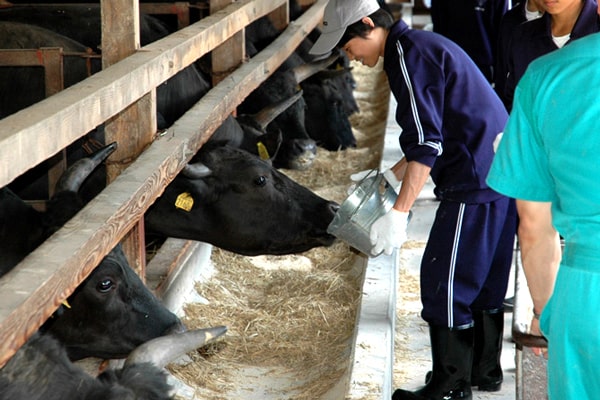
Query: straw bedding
291	315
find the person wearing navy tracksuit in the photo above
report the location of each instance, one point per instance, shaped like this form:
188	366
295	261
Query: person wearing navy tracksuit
473	25
450	117
535	38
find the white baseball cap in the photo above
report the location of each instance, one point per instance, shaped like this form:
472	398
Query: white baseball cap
337	16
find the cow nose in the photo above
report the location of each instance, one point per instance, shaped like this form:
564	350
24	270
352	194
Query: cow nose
178	327
305	146
330	210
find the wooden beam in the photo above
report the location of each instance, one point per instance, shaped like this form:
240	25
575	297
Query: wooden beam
230	53
133	128
34	289
281	17
32	135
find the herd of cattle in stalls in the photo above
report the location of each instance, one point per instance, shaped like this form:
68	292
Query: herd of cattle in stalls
247	205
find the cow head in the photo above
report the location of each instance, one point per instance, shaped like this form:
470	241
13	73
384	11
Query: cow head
112	311
327	120
297	150
242	204
341	74
254	133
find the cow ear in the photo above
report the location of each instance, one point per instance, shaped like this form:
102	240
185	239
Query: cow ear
196	171
198	188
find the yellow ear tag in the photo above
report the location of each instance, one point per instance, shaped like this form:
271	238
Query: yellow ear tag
66	303
184	201
263	153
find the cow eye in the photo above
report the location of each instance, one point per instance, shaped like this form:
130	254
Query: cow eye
260	181
105	285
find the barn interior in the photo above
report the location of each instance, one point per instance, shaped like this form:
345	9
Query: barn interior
326	323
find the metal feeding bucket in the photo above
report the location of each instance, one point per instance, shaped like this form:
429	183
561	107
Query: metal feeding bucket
371	199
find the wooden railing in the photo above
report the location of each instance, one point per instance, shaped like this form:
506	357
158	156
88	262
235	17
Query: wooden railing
31	292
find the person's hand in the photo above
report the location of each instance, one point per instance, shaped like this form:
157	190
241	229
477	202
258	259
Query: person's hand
534	329
388	175
389	231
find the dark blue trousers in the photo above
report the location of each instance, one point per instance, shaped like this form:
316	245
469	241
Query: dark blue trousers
467	260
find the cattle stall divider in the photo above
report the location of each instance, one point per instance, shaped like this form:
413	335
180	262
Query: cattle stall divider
31	292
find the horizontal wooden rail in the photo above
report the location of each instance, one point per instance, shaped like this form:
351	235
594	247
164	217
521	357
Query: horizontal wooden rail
32	135
32	291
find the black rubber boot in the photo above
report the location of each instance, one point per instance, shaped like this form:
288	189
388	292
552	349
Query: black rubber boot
452	358
489	329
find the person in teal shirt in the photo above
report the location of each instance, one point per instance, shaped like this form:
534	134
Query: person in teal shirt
549	160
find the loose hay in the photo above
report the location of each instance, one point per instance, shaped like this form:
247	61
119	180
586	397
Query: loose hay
283	319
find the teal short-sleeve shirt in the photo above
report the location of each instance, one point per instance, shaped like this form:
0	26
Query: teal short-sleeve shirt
550	150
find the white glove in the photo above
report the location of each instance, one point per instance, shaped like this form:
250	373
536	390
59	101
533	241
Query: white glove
388	175
497	141
389	231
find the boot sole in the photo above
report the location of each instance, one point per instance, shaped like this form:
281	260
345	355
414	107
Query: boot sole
490	387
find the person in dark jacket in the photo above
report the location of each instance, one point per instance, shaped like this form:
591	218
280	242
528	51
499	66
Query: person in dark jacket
562	23
473	25
526	10
450	117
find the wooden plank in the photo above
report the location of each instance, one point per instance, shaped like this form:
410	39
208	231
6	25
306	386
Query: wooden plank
33	290
52	59
305	3
133	128
280	17
230	53
32	135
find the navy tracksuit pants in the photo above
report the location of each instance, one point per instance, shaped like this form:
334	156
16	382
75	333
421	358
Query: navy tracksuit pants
467	260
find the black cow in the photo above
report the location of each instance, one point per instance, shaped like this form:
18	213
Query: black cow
254	133
240	203
112	311
41	370
327	119
328	95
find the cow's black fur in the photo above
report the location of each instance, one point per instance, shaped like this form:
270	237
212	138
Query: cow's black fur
244	205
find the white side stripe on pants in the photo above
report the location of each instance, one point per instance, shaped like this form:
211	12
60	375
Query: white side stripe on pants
452	266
